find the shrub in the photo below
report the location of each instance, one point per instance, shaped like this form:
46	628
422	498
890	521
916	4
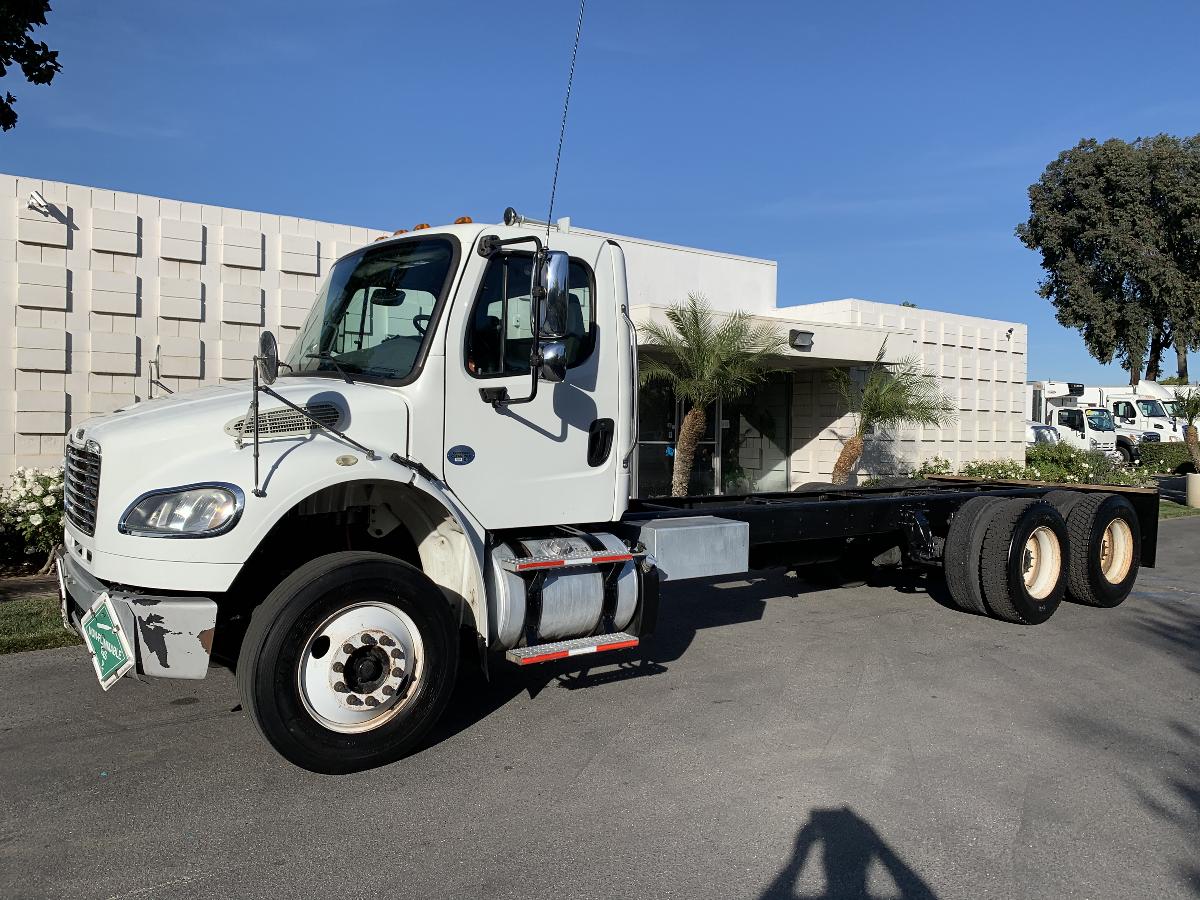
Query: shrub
1164	458
1043	462
31	510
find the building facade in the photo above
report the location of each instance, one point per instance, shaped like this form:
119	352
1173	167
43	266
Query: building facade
95	284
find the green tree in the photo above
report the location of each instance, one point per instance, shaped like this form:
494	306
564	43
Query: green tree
703	359
887	396
37	61
1116	225
1187	404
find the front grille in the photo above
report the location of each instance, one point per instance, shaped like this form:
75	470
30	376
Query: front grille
81	487
276	422
1151	437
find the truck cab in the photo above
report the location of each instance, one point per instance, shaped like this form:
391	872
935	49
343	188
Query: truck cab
1089	428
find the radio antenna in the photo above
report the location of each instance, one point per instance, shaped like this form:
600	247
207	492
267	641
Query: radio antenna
562	131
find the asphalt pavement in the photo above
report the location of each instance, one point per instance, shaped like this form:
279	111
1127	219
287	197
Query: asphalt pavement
774	740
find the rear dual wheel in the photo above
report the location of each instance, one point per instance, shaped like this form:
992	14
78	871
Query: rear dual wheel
1016	559
1106	541
1007	558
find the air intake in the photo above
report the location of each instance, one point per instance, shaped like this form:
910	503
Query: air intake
286	422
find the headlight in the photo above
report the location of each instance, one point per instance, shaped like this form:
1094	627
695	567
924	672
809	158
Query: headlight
203	510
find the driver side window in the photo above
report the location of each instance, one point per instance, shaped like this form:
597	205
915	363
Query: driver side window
1071	418
499	330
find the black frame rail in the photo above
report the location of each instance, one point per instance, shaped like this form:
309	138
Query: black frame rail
821	514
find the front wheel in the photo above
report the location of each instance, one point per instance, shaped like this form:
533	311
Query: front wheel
348	662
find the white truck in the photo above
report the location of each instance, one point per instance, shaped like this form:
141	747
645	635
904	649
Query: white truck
444	463
1085	426
1140	408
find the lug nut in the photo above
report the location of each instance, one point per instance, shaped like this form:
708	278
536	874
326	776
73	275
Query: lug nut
341	688
338	667
397	653
398	673
388	690
347	649
353	701
371	701
368	640
386	641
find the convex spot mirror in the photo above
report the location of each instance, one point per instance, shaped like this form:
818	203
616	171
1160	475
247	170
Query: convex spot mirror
553	367
268	358
554	273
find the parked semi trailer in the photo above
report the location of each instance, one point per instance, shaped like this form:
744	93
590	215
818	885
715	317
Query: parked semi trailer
442	464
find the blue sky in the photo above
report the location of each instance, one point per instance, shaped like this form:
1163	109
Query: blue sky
876	150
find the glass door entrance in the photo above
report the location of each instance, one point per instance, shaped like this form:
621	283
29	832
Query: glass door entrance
743	449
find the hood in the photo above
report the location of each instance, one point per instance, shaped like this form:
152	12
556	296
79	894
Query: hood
207	414
191	437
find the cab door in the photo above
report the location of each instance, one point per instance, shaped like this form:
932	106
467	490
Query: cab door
552	460
1070	424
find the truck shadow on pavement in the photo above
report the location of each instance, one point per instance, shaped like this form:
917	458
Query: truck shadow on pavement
686	608
848	846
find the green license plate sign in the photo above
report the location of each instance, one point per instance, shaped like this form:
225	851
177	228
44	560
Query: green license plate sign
111	654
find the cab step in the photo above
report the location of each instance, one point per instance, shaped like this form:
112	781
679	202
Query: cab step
538	653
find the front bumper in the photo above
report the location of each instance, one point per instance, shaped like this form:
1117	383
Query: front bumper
172	636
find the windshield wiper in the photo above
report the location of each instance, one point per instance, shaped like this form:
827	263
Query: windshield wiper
326	356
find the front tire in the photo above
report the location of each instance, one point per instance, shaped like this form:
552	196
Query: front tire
348	662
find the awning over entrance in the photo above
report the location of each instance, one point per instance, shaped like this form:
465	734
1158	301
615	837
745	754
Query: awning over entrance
820	345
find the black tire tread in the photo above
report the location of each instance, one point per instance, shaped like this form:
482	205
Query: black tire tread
994	563
960	565
267	614
1080	525
1064	500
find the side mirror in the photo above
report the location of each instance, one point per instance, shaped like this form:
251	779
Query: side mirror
553	367
554	278
267	360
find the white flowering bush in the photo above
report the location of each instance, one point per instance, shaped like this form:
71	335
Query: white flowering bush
31	511
1058	463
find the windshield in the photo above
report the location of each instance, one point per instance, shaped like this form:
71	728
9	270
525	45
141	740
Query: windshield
1152	408
1100	420
371	318
1172	408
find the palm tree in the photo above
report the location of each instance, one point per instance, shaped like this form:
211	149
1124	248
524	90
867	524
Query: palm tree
889	396
702	360
1187	404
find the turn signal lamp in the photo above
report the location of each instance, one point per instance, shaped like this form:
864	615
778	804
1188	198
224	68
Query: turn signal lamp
463	220
400	231
421	227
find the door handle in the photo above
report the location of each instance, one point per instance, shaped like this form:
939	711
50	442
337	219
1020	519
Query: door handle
600	441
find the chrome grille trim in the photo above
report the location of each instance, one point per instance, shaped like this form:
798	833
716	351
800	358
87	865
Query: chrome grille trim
285	421
81	487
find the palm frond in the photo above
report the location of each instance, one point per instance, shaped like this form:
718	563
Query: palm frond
704	358
888	396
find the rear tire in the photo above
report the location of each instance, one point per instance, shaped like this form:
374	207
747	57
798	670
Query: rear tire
1126	454
1064	501
961	556
348	662
1106	550
1024	562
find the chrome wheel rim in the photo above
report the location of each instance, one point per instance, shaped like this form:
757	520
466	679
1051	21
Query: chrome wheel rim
360	667
1041	562
1116	551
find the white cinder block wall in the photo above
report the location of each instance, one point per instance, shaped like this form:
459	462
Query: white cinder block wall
90	290
981	364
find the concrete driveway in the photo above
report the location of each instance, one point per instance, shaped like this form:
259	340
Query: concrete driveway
778	741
